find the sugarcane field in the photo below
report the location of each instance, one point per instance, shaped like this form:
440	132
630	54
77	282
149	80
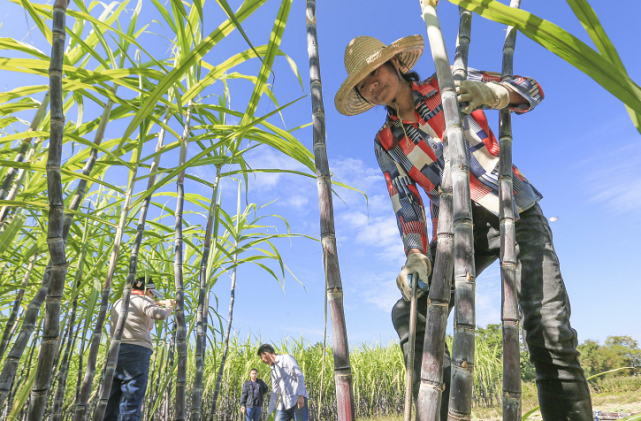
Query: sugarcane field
177	178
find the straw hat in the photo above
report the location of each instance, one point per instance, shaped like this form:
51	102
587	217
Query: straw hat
365	54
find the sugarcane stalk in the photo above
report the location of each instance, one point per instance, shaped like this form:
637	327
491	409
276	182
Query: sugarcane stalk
4	211
223	358
32	350
55	242
203	303
8	373
409	366
169	374
509	306
24	145
460	404
85	389
153	396
114	347
26	330
8	329
64	365
432	385
431	388
342	369
181	334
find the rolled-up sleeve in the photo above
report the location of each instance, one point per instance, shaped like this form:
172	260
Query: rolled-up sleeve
524	86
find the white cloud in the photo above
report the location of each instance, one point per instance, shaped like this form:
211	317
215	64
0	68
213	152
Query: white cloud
613	178
381	291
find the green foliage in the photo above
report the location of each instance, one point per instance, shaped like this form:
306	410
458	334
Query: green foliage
604	66
618	351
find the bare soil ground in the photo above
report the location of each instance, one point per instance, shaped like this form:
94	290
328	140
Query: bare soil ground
624	403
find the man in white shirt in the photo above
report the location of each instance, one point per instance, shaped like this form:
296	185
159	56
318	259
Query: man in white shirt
288	382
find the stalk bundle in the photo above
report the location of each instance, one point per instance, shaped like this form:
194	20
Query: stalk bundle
462	385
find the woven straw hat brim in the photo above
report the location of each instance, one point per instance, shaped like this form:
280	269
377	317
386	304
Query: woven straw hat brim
409	50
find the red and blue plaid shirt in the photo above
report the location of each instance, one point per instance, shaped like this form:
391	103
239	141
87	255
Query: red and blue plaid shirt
411	153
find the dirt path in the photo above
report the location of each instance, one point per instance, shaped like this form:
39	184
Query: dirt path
626	404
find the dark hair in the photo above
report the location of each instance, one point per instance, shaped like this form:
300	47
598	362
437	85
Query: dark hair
265	348
140	282
253	369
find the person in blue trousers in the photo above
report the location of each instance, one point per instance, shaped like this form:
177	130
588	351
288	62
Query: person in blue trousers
132	371
252	397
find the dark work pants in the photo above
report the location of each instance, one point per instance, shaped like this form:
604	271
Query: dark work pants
129	384
545	315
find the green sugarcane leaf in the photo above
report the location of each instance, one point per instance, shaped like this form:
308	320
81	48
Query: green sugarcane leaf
232	16
272	48
592	25
14	45
23	92
165	14
564	45
10	233
38	20
190	58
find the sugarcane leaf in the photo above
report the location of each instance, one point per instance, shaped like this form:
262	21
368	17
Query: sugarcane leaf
14	45
12	230
595	30
165	14
232	16
188	60
272	48
38	20
564	45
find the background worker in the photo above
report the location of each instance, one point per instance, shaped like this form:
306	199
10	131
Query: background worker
132	372
288	382
251	399
409	150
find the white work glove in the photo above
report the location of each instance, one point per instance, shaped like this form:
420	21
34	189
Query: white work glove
477	93
417	265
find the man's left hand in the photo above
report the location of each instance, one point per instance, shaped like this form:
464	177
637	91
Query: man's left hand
477	93
301	401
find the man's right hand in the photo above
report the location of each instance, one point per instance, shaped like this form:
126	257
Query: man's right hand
417	265
242	409
168	303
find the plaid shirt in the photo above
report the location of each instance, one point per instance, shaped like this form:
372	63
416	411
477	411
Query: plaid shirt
418	160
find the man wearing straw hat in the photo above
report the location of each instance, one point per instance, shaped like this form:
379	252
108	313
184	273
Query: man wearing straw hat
132	372
409	150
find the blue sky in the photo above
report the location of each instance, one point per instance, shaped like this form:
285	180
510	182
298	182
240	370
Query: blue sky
578	148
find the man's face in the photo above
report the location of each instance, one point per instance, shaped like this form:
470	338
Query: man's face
149	294
268	358
253	375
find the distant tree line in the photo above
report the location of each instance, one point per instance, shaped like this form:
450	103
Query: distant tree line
617	352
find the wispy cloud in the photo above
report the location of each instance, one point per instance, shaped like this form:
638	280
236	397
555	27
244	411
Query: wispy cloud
613	177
